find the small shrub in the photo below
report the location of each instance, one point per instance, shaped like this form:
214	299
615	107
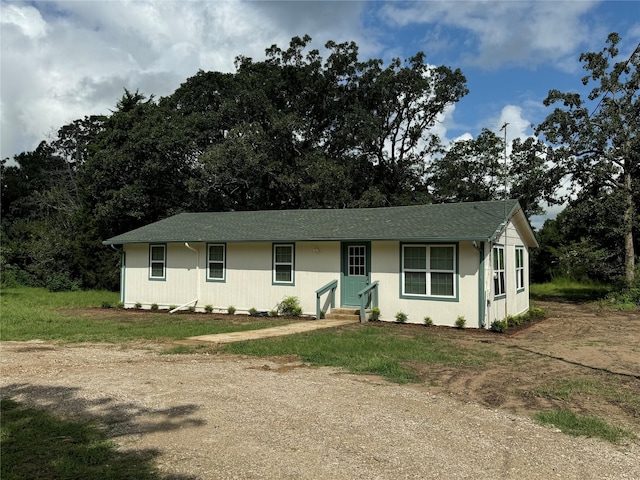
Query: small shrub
253	312
191	309
208	308
401	317
172	307
273	313
290	307
154	307
231	309
120	305
138	306
427	321
62	282
322	314
535	313
374	315
460	322
499	326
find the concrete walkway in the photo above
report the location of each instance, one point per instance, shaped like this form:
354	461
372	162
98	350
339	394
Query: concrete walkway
279	331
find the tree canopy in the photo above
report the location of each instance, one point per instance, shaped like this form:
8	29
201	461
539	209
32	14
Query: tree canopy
297	130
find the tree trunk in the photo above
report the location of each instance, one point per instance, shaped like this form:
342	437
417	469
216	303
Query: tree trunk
629	254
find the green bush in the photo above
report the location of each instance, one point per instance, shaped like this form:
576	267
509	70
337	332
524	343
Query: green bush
401	317
62	282
106	305
208	308
428	322
253	311
273	313
154	307
138	306
231	309
461	322
290	307
499	326
120	305
172	307
374	315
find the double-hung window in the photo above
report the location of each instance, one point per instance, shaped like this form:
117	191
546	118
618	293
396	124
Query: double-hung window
429	270
283	265
498	271
216	262
157	262
519	268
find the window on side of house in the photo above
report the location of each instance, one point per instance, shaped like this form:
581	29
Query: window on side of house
283	265
216	262
428	270
519	268
498	271
157	262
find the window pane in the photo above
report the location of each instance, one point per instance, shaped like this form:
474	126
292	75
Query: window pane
415	283
215	270
157	269
157	254
442	284
283	273
283	254
415	258
216	253
441	258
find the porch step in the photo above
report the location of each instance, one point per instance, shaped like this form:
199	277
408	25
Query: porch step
343	314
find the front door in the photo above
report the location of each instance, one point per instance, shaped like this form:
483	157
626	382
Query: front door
356	271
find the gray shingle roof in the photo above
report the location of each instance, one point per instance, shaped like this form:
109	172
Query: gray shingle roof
439	222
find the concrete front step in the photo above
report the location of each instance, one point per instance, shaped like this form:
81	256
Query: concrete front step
343	314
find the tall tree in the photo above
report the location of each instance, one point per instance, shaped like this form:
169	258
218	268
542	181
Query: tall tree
598	143
471	170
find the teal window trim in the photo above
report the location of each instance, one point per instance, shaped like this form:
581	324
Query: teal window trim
428	271
223	263
519	269
123	274
157	262
275	264
499	271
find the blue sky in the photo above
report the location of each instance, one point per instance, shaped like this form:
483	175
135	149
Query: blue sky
61	60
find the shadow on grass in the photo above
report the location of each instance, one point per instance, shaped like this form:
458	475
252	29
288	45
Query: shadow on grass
54	434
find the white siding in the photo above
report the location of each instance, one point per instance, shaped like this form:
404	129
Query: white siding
248	283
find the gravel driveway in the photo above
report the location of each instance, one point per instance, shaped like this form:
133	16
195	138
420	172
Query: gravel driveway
220	416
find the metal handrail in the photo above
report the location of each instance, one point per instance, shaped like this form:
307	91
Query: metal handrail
371	292
333	285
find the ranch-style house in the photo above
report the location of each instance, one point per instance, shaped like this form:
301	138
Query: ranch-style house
443	261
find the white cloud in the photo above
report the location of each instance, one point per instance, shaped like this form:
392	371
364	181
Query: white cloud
496	33
61	60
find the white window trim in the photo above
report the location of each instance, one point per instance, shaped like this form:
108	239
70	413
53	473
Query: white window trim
428	271
224	262
499	272
520	269
163	262
291	264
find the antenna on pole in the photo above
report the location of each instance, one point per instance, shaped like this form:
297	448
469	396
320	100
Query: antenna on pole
504	127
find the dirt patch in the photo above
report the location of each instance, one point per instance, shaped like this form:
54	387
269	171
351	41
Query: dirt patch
597	348
211	416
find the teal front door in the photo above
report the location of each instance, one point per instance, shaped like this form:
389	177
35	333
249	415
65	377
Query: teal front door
356	271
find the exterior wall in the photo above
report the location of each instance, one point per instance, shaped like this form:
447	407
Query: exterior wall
386	269
515	301
248	283
248	280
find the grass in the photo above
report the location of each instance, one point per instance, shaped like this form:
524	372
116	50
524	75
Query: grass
371	349
582	425
36	445
610	392
562	288
36	313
